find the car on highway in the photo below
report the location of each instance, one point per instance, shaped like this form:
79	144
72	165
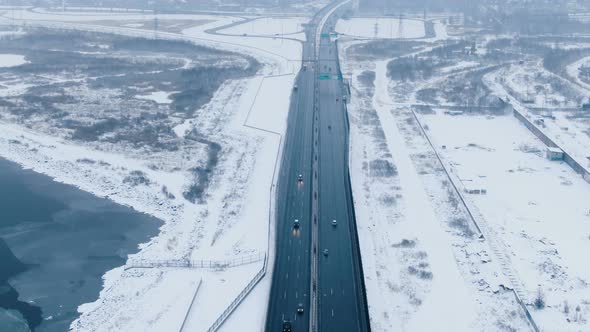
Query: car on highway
325	252
296	224
300	178
300	308
287	327
334	223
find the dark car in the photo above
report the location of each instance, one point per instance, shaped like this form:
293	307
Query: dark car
300	308
287	326
296	224
300	178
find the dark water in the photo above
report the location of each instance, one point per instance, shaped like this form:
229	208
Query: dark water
56	242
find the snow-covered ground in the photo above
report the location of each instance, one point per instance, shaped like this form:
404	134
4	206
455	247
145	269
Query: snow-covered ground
448	304
573	71
440	31
569	128
534	213
284	52
382	27
544	239
11	60
572	131
425	268
532	84
160	97
247	117
269	26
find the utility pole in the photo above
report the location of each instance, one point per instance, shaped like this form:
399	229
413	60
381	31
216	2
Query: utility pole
376	28
400	28
156	24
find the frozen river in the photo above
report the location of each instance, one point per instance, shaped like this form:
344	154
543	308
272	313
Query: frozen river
56	242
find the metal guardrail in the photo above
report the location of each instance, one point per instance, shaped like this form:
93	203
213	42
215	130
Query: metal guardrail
188	311
527	313
234	304
196	264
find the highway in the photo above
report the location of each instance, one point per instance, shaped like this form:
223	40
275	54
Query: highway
330	287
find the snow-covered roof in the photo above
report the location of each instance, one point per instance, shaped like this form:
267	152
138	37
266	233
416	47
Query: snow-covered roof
556	150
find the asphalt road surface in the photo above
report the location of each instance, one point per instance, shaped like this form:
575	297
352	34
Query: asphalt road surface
316	147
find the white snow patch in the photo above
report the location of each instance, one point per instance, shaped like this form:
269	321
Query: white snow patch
537	206
381	27
448	306
573	71
160	97
412	223
11	60
133	25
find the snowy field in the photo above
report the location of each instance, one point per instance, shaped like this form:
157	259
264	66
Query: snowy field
270	26
573	71
284	52
247	117
543	239
537	87
564	123
534	212
572	131
272	49
11	60
425	268
382	28
160	97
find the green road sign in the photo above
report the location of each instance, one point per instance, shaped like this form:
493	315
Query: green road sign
330	77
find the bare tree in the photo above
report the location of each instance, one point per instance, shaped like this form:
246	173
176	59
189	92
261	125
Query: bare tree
539	301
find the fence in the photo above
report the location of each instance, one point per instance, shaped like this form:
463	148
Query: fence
567	158
188	311
526	312
497	246
271	217
196	264
234	304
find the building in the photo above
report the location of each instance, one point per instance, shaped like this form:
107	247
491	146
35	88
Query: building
554	153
